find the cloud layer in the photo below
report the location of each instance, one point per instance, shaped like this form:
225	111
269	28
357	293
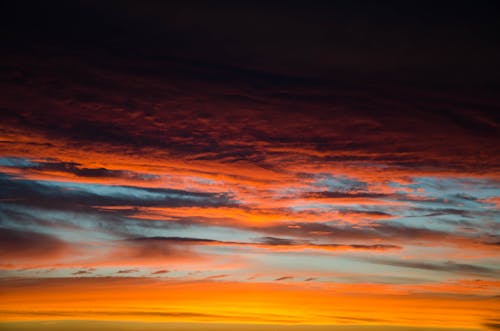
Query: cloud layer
120	175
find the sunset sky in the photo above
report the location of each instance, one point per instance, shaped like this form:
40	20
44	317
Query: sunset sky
285	166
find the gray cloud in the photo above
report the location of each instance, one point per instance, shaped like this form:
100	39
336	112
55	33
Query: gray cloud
448	266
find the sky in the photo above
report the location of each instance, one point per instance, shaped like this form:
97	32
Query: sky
289	166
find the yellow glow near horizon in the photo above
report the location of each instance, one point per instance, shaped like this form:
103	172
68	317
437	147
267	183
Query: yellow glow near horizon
129	299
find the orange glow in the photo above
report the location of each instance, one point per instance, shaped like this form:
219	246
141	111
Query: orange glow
141	299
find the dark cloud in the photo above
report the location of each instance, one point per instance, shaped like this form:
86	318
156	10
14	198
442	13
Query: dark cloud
113	222
277	241
52	195
173	240
448	266
122	222
82	272
492	324
217	276
157	249
160	272
156	114
77	170
455	199
79	207
266	243
445	211
273	241
19	215
284	278
379	231
384	230
366	213
336	195
25	244
127	271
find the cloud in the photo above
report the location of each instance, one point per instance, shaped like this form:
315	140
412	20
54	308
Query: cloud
75	196
21	245
380	231
277	241
151	251
284	278
448	266
149	166
370	214
217	276
77	170
72	168
492	324
342	195
127	271
267	243
82	272
359	130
